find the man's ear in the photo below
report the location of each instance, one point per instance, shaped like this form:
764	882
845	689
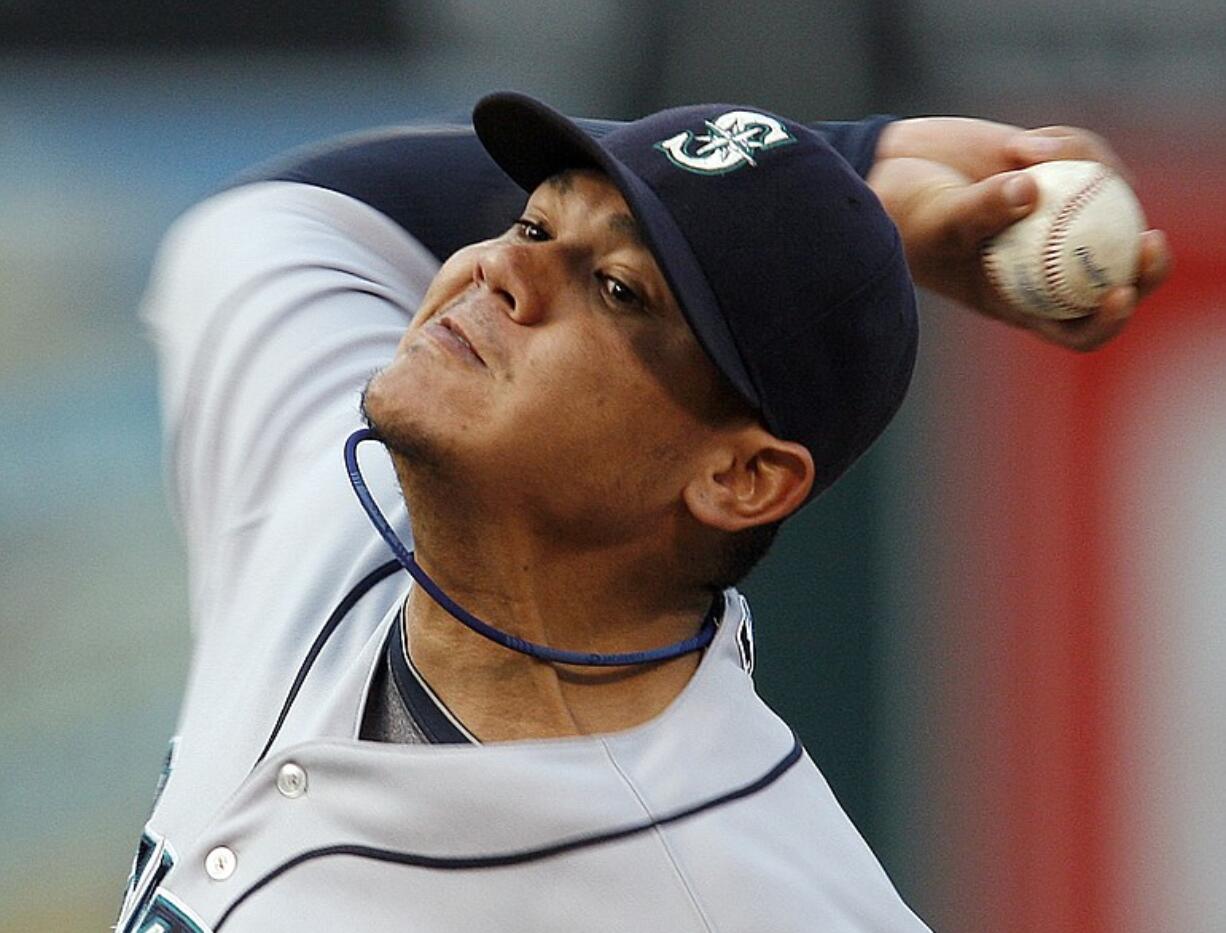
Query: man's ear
753	479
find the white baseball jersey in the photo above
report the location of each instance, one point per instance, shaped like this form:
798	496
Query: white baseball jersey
271	305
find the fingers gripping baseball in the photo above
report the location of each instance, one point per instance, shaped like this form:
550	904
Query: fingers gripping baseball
951	184
975	212
944	217
1118	305
1156	262
1049	143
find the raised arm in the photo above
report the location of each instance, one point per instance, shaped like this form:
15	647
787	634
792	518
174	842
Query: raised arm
948	182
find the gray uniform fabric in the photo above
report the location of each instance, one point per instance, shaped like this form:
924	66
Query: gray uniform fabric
271	304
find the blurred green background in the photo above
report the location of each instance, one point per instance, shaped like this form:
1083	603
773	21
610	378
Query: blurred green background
116	117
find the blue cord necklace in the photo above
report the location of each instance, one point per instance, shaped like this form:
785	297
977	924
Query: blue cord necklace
543	652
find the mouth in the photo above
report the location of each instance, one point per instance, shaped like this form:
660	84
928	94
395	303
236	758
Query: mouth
455	333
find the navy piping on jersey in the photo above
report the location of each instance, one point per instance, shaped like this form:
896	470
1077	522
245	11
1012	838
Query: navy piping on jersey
363	586
426	710
505	859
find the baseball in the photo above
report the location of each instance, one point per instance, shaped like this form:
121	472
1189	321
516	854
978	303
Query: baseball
1082	238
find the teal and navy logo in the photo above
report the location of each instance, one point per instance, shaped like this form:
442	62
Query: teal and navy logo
731	141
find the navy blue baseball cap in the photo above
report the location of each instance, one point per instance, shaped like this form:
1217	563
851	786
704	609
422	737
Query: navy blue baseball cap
786	266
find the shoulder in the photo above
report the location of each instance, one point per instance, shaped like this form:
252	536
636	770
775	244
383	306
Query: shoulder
743	808
800	854
274	224
245	257
270	306
434	180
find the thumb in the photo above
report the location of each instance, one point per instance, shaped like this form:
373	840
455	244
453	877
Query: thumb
979	211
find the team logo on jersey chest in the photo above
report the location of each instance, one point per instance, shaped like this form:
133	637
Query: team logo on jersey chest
731	141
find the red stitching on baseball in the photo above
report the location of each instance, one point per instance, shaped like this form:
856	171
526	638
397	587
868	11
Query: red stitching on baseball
988	256
1058	233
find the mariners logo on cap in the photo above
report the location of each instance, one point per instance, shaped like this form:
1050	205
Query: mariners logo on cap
730	142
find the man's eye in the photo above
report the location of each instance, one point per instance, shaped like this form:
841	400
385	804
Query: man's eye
531	230
620	292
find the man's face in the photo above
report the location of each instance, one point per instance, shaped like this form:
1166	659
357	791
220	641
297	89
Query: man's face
550	369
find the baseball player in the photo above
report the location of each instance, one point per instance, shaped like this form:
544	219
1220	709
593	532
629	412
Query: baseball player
530	707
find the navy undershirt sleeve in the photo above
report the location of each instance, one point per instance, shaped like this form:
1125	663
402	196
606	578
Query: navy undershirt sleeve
437	182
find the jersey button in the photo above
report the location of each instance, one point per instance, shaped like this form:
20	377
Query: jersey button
220	863
291	780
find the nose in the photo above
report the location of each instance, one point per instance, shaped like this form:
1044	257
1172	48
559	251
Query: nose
511	275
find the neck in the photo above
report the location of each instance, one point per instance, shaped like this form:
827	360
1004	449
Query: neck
608	599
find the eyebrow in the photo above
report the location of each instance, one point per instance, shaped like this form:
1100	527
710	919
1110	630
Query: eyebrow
626	226
621	224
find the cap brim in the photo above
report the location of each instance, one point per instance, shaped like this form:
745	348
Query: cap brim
531	142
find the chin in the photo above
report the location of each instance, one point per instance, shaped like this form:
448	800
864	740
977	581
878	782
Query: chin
381	412
374	404
396	424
